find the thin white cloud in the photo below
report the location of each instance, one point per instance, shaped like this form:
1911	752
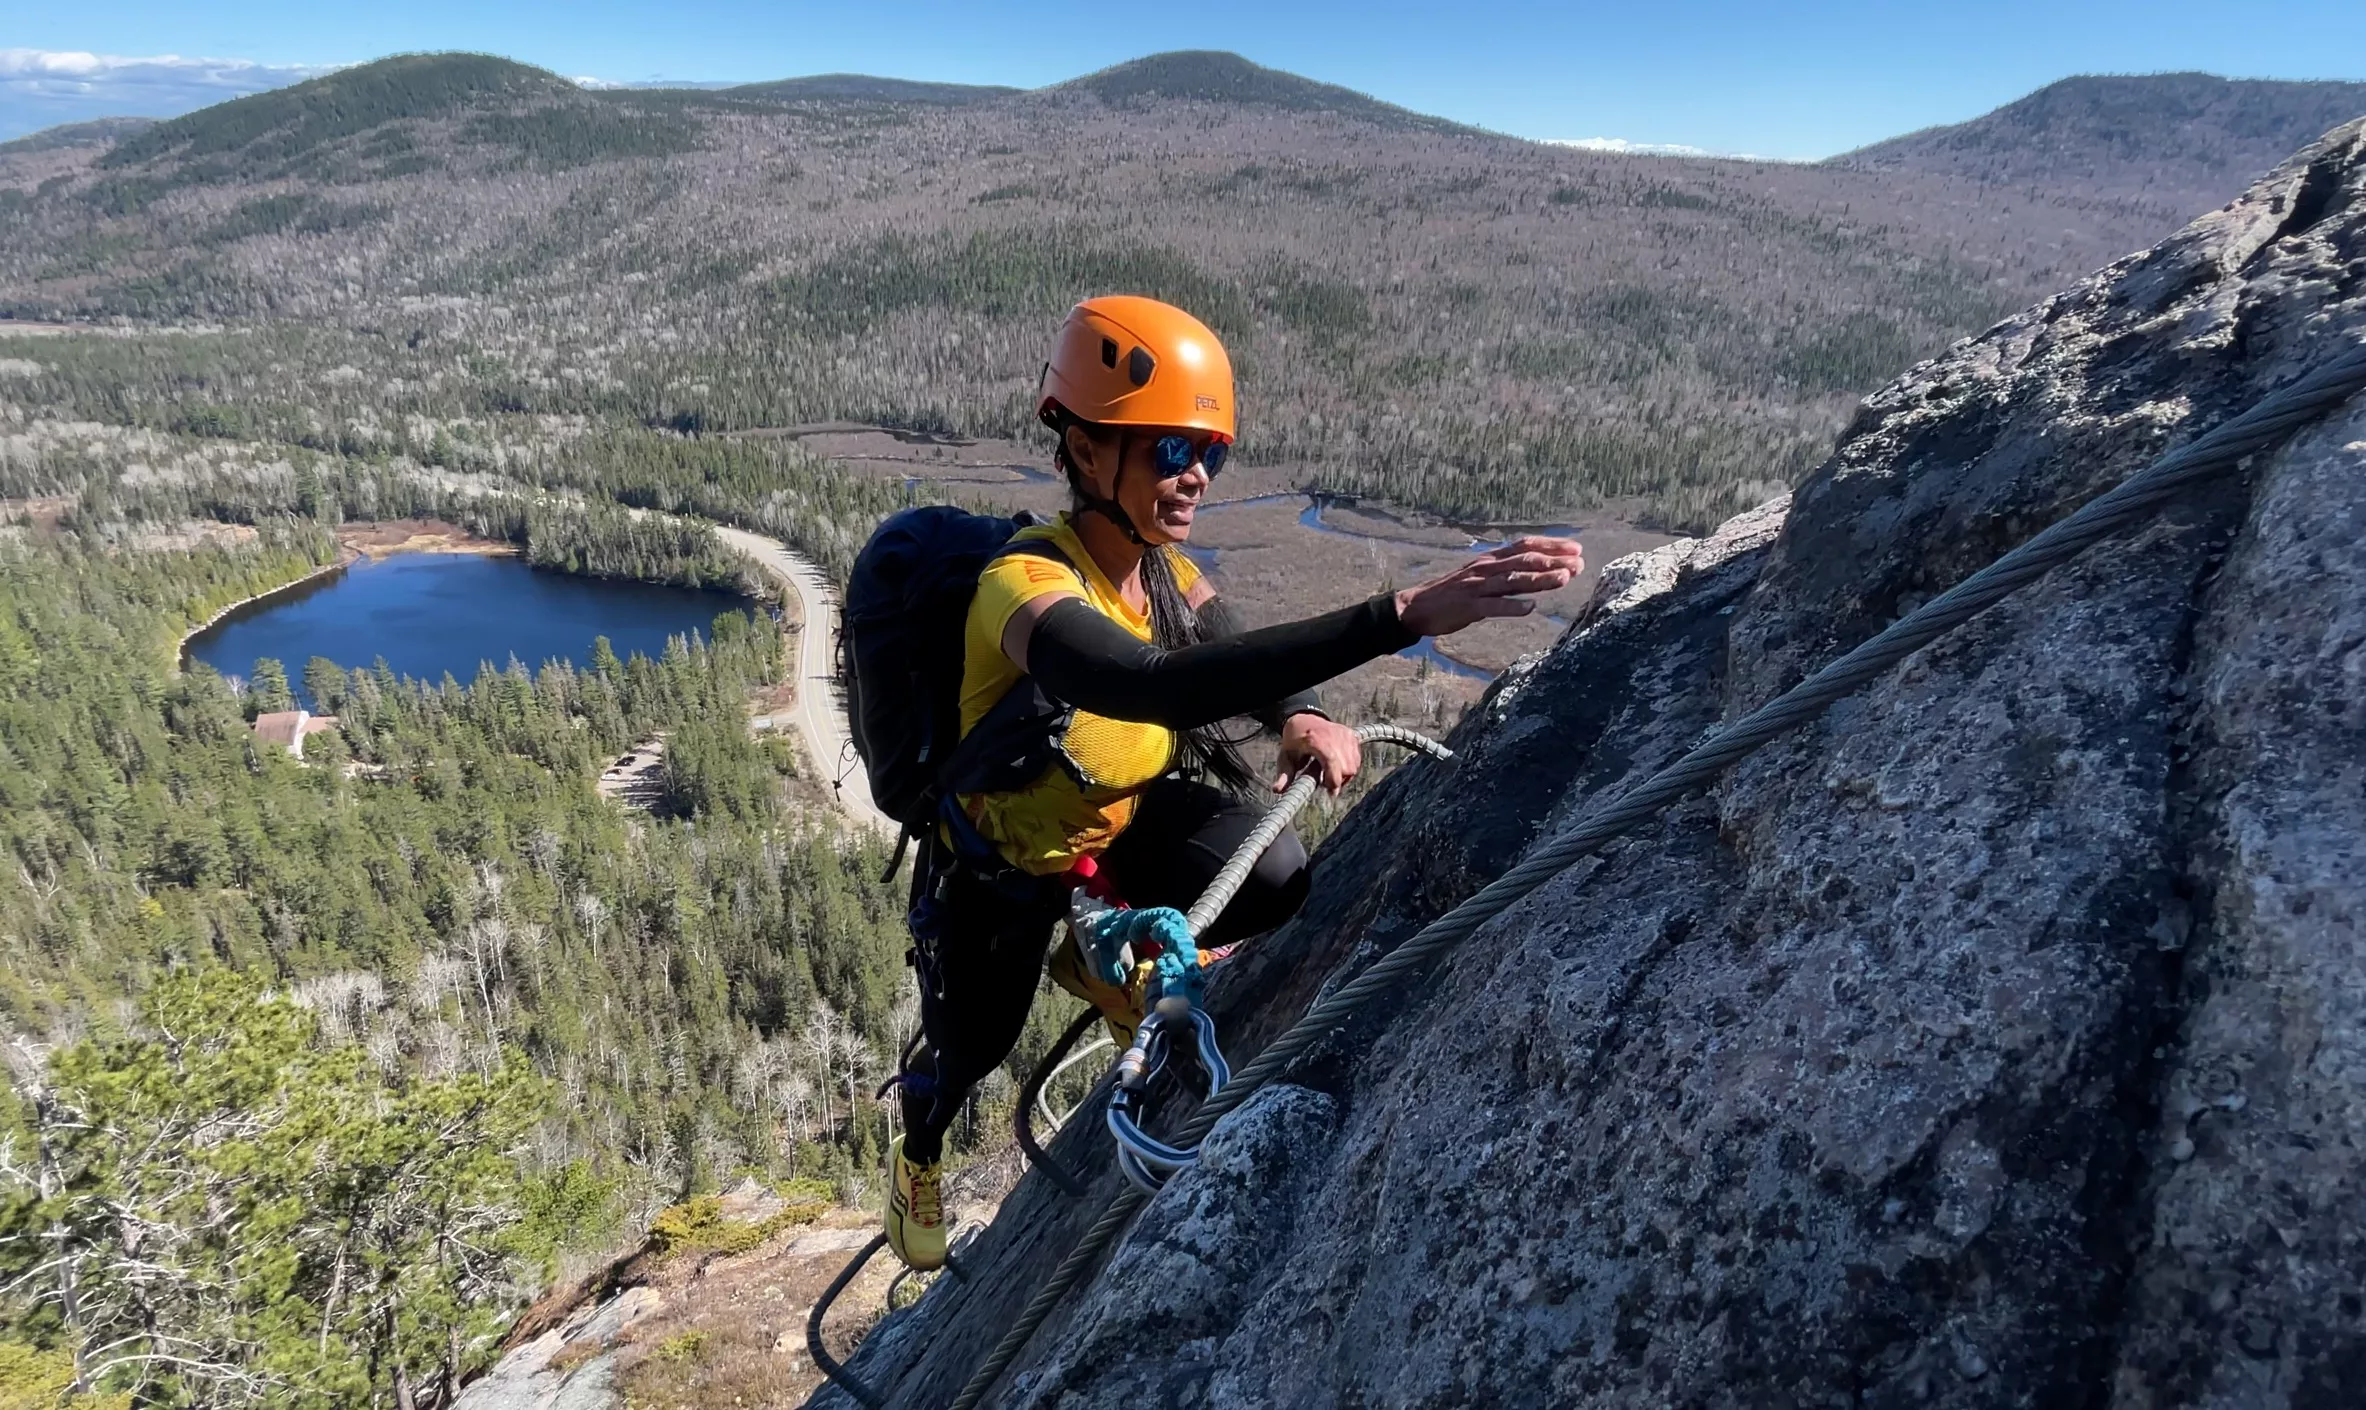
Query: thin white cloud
43	87
599	84
1624	147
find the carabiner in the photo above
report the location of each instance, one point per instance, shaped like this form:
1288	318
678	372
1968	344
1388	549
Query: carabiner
1142	1158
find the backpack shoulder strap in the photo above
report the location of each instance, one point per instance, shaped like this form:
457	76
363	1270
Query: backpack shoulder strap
1038	548
1012	744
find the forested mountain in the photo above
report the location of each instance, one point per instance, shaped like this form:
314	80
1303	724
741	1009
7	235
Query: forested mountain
1213	76
2181	142
1453	321
312	130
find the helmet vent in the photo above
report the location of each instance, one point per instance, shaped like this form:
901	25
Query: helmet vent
1109	352
1139	364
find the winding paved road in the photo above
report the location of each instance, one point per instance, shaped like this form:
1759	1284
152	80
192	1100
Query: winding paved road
818	714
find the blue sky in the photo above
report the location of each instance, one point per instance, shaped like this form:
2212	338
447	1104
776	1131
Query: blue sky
1778	80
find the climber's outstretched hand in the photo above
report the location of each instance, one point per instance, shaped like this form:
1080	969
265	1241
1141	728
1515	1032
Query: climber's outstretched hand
1497	583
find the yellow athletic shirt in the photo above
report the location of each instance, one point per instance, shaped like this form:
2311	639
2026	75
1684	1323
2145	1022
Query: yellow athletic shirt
1078	805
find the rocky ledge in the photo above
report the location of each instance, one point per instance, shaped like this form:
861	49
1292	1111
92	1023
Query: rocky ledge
1999	1040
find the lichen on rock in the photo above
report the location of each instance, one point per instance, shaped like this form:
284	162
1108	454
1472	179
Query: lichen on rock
1997	1039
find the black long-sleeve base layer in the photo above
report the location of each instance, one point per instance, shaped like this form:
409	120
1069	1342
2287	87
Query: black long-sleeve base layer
1092	663
990	955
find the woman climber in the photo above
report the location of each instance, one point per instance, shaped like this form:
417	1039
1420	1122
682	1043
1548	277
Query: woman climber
1097	664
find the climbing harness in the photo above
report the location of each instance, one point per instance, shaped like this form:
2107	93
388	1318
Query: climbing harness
2266	424
1142	1158
1155	949
1174	992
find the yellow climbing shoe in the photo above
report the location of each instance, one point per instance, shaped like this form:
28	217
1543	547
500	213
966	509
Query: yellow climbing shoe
915	1212
1120	1010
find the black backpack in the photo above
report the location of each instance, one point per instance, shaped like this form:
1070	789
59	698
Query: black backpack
900	648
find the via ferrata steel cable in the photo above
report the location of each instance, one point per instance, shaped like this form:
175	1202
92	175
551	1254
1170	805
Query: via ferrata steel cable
2267	423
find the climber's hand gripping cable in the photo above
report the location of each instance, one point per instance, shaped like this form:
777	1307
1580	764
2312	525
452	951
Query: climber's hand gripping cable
1314	742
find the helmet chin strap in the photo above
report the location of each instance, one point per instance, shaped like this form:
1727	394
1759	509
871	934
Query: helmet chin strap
1110	509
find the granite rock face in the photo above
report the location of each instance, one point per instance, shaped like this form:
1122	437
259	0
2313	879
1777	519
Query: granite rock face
1999	1040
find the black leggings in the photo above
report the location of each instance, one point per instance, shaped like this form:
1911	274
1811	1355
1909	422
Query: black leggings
990	953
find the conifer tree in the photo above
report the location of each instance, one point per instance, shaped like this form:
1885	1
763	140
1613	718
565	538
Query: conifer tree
267	688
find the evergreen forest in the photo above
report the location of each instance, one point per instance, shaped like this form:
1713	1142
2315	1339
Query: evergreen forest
434	906
320	1069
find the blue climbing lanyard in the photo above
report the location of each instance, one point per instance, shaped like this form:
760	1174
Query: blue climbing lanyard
1112	940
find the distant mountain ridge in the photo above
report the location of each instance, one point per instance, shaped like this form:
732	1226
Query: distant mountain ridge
2188	140
2183	140
429	86
97	132
1218	76
863	87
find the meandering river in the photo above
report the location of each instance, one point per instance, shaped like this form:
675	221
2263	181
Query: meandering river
1311	519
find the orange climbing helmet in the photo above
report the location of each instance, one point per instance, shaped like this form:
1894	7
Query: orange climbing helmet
1124	360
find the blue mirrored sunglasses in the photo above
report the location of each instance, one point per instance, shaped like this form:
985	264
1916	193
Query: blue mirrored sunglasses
1176	454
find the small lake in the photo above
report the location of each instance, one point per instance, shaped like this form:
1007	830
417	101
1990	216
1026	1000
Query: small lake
429	613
